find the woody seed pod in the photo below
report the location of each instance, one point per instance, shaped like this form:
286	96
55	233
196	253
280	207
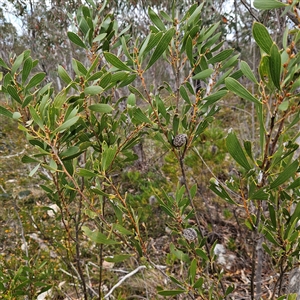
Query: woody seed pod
190	234
179	140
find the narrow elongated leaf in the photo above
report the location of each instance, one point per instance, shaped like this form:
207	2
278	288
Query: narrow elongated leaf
60	99
116	62
17	63
189	50
286	174
98	237
74	38
195	14
203	74
27	67
101	107
36	118
171	292
262	37
35	80
184	94
211	99
234	86
236	151
86	173
161	47
275	65
107	157
64	75
139	116
3	64
248	72
268	4
5	112
220	56
67	124
117	258
13	93
156	19
93	90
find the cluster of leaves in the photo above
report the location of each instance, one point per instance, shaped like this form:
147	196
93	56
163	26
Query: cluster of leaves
84	135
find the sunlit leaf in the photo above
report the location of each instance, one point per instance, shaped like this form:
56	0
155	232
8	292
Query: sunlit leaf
156	19
247	71
236	151
116	62
203	74
35	80
275	65
64	75
268	4
74	38
101	107
285	175
98	237
5	112
161	47
262	37
234	86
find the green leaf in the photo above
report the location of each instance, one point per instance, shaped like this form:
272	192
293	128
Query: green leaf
101	107
218	189
220	56
285	175
5	112
117	258
35	80
184	94
86	173
203	74
36	118
74	38
98	237
211	99
275	65
268	4
247	72
93	90
60	99
99	37
116	62
27	67
189	50
33	171
107	157
202	254
170	293
3	64
195	14
121	229
13	93
64	75
236	151
155	19
161	47
67	124
139	116
17	63
262	37
234	86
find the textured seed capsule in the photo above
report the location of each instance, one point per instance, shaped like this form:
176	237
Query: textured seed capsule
179	140
190	234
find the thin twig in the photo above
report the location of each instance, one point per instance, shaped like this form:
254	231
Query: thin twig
123	279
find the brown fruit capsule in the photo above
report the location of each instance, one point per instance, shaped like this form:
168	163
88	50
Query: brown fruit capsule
179	140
